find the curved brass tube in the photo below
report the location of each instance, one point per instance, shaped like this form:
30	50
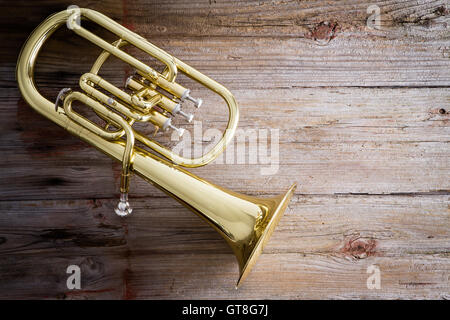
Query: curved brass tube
233	116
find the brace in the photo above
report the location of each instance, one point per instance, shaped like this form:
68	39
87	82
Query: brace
61	95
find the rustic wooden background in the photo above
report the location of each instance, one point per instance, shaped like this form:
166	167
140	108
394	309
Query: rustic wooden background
364	129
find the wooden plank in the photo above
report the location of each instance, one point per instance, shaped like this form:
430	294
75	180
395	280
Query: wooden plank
266	45
278	63
317	224
40	240
363	128
321	249
43	275
331	141
252	17
295	19
289	276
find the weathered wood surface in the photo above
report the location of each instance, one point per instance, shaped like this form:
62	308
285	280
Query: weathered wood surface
321	250
363	119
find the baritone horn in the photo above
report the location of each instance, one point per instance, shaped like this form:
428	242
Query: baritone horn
245	222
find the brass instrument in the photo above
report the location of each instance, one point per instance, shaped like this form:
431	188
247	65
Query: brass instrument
245	222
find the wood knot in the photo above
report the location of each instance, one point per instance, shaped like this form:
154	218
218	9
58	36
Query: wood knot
441	11
359	248
96	203
92	267
324	32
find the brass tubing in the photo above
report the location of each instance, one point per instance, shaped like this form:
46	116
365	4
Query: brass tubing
90	90
153	117
165	103
98	107
145	69
132	38
52	23
172	87
209	83
138	99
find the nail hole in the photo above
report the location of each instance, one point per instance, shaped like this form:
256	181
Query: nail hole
442	111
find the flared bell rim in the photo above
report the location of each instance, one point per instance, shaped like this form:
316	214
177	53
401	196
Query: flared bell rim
257	250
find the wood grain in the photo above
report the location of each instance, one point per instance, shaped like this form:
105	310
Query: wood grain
363	123
332	141
275	44
321	249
